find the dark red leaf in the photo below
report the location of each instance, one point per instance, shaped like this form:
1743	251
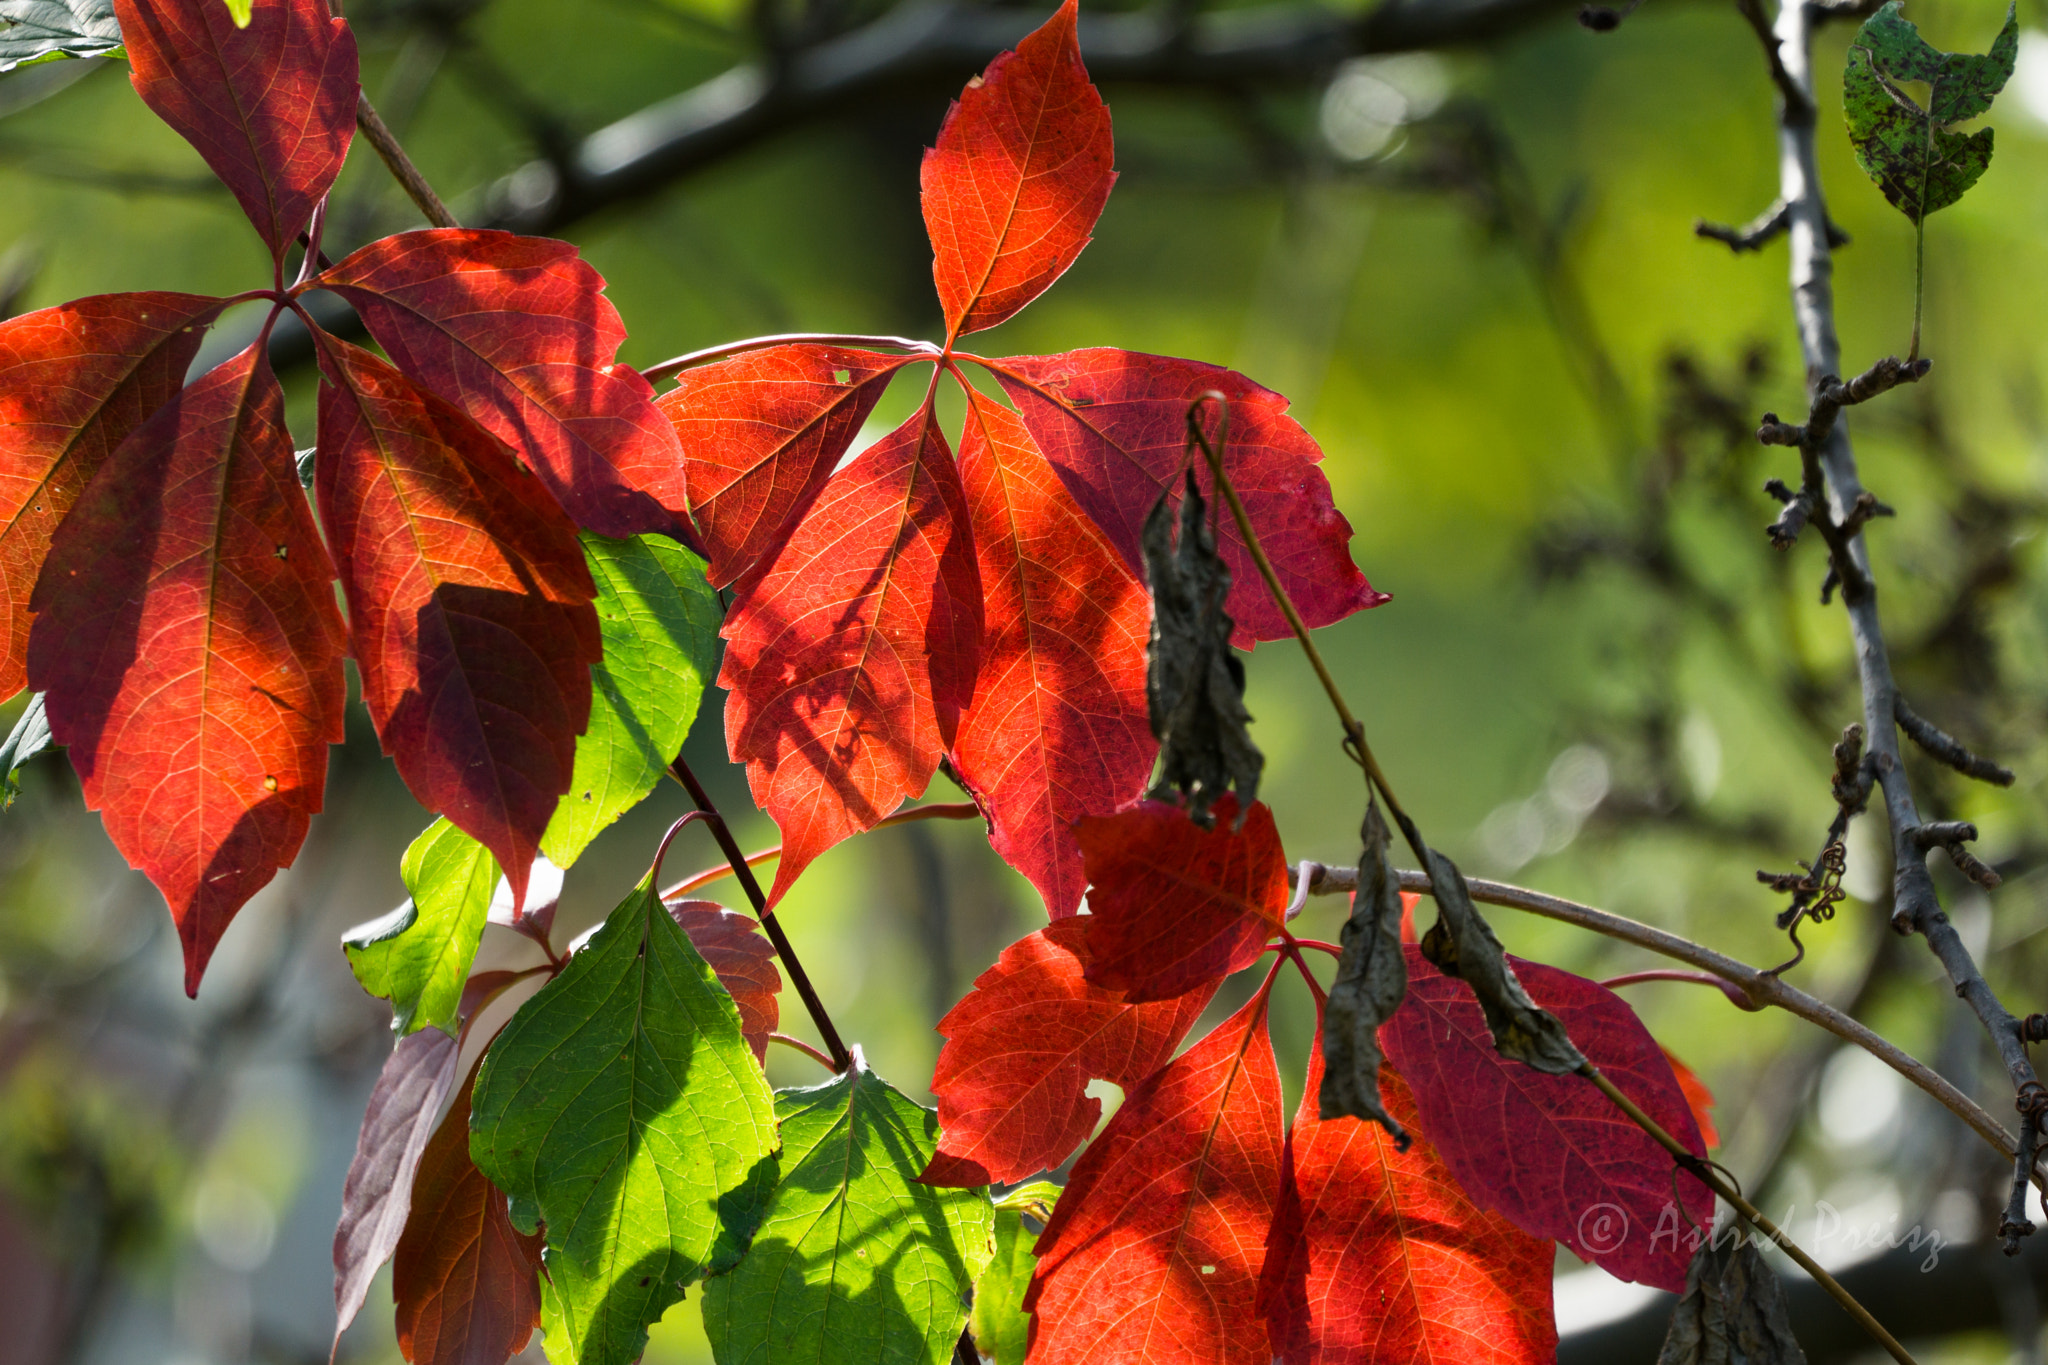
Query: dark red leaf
853	650
74	381
469	604
518	333
1550	1152
271	107
1155	1250
187	636
467	1282
1114	423
1021	1047
1172	905
1058	726
761	433
1377	1255
1019	176
744	961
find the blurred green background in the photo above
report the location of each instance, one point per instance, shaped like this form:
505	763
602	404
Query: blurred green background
1475	274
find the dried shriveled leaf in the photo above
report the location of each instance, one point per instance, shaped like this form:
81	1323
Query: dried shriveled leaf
418	956
745	963
622	1108
271	106
29	737
469	604
1001	1327
1372	976
1732	1311
1057	728
74	381
1021	1047
518	333
1019	176
1173	906
34	31
852	652
1156	1248
1377	1254
761	433
1550	1152
1114	424
196	674
855	1260
1915	155
1194	683
467	1282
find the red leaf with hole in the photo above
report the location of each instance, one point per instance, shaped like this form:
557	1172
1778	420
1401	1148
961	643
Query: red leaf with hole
1114	423
74	381
271	107
1021	1047
1155	1249
1058	726
852	652
1378	1255
1172	905
1550	1152
761	433
467	1282
1698	1098
1019	176
469	604
518	333
187	636
743	960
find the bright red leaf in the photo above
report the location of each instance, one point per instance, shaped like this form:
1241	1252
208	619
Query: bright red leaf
1172	905
469	604
187	636
271	107
1550	1152
467	1282
1019	176
1379	1257
1698	1098
517	331
74	381
1114	424
1021	1047
852	653
1155	1250
761	433
743	960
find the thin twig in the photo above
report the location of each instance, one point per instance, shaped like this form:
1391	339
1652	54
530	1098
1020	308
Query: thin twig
801	1046
936	810
1937	743
1753	235
400	165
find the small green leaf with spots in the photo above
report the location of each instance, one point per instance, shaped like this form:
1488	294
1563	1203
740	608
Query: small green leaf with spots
1915	154
1002	1329
418	956
29	737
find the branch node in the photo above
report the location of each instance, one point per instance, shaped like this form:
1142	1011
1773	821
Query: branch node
2034	1029
1751	236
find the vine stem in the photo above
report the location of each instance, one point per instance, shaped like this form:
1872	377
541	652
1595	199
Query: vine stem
801	1046
842	1059
936	810
400	165
675	365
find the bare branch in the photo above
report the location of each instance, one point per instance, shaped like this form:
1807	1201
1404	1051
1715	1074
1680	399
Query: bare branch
1939	744
400	165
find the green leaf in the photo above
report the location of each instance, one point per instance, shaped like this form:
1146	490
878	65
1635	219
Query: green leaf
856	1260
1915	155
238	10
660	621
418	956
1002	1329
622	1108
34	31
29	737
1037	1198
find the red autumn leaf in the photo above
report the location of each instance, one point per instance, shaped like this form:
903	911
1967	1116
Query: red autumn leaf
1058	726
74	381
761	433
743	960
1021	1047
852	651
467	1282
469	604
1114	423
1378	1255
187	636
1155	1250
1550	1152
271	106
1698	1098
518	333
1172	905
1019	176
